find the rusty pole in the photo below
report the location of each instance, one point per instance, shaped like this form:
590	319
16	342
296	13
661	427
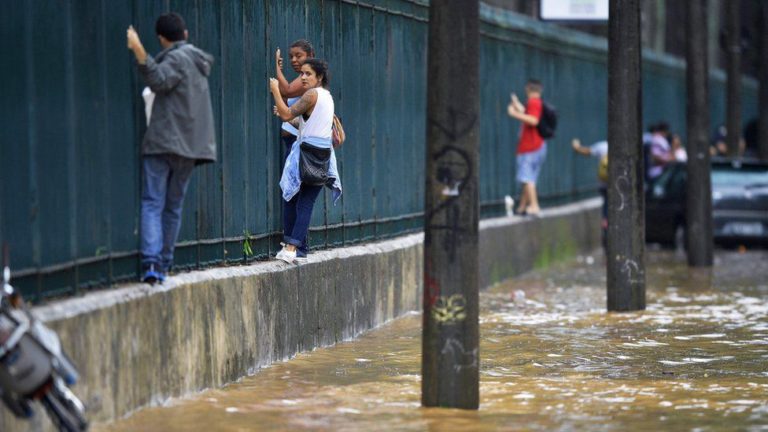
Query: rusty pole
450	344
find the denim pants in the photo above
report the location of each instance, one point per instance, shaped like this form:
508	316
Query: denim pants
165	181
296	216
287	142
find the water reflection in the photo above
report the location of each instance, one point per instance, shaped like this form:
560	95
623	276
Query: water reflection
551	359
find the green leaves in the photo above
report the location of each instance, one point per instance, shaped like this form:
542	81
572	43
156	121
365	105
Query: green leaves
247	251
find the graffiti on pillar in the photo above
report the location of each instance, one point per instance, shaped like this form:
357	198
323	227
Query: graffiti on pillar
450	310
460	357
459	125
453	170
632	270
622	183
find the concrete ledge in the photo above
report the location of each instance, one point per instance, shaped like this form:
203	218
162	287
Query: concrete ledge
138	345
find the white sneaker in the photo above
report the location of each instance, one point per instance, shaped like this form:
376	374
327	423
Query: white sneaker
509	203
280	253
286	255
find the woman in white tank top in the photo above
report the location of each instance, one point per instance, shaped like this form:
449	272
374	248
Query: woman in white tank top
315	123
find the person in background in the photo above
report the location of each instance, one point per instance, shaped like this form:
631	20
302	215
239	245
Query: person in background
599	151
531	148
660	151
719	145
678	151
180	136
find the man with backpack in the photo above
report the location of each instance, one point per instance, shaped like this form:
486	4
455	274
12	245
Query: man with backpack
539	122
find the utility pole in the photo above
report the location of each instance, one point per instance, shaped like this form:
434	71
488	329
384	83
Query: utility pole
733	52
450	342
699	242
762	146
626	203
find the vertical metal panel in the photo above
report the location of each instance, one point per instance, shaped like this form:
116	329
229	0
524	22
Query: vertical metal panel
365	142
263	142
88	157
209	176
348	108
122	139
52	144
332	45
15	84
235	151
382	123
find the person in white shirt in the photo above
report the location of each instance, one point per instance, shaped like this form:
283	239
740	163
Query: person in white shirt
311	164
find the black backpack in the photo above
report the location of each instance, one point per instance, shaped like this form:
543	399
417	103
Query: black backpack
548	121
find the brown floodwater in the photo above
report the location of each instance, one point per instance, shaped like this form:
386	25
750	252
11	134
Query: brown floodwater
551	359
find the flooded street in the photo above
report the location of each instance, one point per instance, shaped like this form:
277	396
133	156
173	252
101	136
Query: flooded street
551	359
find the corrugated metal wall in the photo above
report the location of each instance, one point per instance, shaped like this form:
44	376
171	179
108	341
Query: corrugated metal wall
72	121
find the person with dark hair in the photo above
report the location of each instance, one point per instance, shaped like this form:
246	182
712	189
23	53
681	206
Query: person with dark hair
172	27
300	50
311	163
531	149
179	136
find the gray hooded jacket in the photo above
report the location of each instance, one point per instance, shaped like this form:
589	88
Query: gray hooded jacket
182	116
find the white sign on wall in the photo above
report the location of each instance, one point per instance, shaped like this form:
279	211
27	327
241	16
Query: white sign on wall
574	10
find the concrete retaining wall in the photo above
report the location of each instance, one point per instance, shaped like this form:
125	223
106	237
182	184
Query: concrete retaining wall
139	345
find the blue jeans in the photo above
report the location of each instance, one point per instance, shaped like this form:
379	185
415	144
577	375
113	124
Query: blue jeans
165	181
296	216
287	141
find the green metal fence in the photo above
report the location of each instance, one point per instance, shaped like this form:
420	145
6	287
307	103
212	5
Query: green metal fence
72	121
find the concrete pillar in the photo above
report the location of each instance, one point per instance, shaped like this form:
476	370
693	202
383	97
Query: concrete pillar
626	224
450	356
699	186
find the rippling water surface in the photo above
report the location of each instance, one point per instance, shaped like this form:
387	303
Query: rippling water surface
551	359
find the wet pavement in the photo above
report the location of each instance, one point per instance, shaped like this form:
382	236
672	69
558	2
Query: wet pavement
551	359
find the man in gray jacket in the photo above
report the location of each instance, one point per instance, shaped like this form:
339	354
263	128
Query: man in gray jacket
180	135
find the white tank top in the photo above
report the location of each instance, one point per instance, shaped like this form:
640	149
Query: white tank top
320	122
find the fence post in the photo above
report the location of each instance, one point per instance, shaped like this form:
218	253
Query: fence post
625	258
450	355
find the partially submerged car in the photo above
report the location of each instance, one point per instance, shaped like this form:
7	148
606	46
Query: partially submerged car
739	204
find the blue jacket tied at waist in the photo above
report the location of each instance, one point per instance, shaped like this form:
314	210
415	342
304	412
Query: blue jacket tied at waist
290	182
